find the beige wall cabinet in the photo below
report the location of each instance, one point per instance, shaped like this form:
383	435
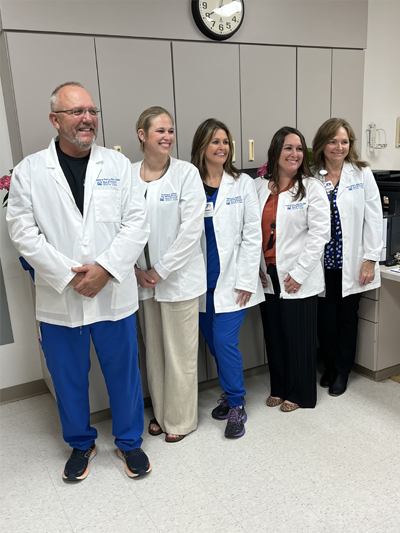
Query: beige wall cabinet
133	75
207	85
38	63
268	96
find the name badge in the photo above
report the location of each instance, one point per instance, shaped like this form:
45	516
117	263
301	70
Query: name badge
329	186
209	211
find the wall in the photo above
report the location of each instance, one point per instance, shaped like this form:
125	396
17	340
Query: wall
382	81
19	361
328	23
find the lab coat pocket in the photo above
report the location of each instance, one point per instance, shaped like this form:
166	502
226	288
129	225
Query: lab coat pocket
48	300
107	205
124	294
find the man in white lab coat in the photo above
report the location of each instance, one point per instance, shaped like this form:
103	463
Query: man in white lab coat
78	217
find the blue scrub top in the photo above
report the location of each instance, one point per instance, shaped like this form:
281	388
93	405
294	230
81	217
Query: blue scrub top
213	265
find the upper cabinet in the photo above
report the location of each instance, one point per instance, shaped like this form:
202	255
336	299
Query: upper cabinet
313	90
268	97
38	63
134	74
347	88
207	85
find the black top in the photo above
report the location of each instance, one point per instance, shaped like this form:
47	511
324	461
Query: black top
74	169
210	190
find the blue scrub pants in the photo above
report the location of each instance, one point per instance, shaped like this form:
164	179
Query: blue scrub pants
221	331
67	356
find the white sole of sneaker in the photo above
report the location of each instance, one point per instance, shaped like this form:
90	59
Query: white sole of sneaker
86	472
128	472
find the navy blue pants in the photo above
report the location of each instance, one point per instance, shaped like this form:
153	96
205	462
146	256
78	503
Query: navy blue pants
221	331
67	357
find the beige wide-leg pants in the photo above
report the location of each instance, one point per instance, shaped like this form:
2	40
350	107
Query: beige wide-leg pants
171	333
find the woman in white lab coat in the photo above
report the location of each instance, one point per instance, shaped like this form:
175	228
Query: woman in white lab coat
351	257
231	245
171	275
295	228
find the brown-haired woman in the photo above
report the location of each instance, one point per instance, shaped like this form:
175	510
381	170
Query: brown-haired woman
295	228
231	246
351	257
171	276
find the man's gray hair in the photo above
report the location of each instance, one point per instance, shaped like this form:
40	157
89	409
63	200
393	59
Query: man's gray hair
54	94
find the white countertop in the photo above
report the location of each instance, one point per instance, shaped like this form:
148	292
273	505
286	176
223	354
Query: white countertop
386	272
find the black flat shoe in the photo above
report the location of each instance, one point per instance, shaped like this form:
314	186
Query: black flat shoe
326	379
338	386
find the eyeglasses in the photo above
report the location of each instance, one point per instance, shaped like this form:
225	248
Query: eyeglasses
79	111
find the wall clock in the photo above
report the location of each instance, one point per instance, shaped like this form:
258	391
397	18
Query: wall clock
218	19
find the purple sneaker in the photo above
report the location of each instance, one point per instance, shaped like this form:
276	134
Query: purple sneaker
236	419
221	411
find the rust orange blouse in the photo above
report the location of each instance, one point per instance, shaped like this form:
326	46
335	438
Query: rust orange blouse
268	216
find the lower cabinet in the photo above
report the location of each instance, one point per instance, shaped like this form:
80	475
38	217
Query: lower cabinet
378	330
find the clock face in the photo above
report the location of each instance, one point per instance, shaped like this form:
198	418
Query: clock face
218	19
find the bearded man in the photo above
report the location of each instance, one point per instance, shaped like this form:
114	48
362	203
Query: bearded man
77	215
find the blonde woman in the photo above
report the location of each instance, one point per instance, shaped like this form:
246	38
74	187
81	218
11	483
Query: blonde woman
231	245
171	276
351	258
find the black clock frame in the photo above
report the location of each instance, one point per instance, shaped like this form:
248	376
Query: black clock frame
204	29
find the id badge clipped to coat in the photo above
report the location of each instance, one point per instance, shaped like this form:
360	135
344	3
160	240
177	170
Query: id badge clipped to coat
209	210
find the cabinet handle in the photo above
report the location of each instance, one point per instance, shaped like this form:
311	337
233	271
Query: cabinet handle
251	150
233	152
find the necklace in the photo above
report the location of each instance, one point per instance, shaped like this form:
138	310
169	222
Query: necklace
163	172
272	225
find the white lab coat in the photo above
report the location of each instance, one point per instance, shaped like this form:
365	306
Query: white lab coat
237	228
175	204
49	231
359	205
302	229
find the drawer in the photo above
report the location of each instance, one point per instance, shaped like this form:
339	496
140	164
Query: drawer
368	310
366	345
372	295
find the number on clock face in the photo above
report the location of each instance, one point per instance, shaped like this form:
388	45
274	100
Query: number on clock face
221	17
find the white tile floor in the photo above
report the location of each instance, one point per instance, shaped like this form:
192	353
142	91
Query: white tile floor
332	469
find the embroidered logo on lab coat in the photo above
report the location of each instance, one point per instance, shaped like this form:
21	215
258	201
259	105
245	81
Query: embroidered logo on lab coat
295	207
169	197
107	182
235	200
355	186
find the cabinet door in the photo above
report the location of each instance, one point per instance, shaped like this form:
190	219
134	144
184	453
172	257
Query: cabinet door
38	64
268	96
206	79
348	87
313	90
133	75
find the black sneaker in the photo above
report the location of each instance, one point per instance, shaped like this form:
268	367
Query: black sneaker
236	419
221	411
77	466
137	462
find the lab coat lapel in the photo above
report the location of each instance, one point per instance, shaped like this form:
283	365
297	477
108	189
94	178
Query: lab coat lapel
92	172
345	177
55	169
264	195
226	184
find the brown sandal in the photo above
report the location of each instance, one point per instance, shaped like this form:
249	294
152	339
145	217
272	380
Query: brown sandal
174	439
289	407
154	432
273	402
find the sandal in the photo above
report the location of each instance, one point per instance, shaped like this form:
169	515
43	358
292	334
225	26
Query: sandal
273	402
289	407
174	439
154	432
